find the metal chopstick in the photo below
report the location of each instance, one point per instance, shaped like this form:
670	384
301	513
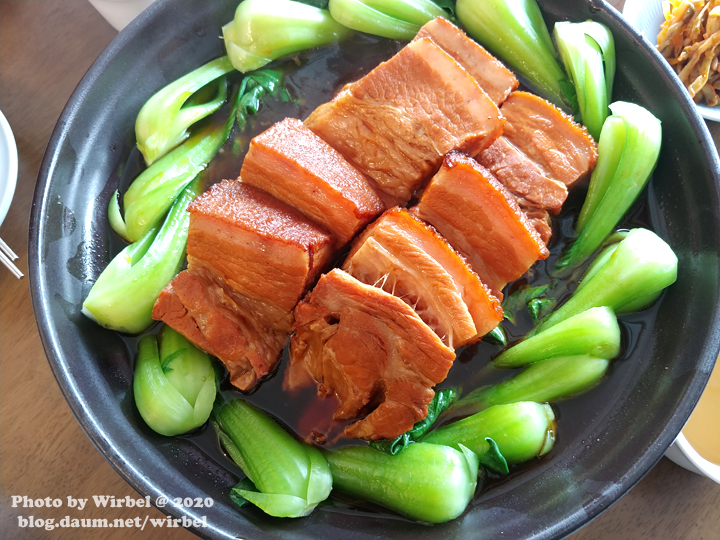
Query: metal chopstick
7	251
10	266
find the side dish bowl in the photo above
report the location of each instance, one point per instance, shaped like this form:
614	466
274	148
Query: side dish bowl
634	417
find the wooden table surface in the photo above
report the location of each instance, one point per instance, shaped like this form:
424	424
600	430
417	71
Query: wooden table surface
45	48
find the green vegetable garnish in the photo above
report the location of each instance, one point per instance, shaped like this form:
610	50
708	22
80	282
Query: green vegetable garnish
587	50
442	400
594	332
394	19
520	299
628	276
265	30
291	478
174	390
627	153
544	381
496	336
521	431
426	482
123	296
164	120
515	32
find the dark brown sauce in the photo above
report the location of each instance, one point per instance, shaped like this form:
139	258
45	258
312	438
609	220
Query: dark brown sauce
313	78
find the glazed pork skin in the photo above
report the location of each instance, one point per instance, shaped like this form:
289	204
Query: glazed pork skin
481	219
396	123
210	318
494	78
372	350
297	167
410	260
554	141
255	245
250	259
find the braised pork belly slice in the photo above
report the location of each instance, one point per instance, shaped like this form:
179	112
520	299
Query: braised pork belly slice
410	260
255	245
370	349
396	123
482	220
494	78
521	176
250	259
297	167
563	148
223	325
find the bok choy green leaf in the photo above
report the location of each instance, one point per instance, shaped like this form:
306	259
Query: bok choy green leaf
265	30
515	32
291	478
163	121
587	50
426	482
174	389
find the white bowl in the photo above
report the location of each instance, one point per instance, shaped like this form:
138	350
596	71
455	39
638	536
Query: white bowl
8	166
685	455
647	17
120	12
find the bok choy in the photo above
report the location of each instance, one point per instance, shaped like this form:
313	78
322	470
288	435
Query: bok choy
626	276
515	32
265	30
547	380
426	482
628	151
394	19
587	50
123	296
594	332
522	431
287	478
174	388
163	121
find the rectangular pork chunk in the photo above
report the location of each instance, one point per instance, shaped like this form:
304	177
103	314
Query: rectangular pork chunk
522	176
223	325
410	260
251	255
482	220
297	167
396	123
495	79
564	149
370	349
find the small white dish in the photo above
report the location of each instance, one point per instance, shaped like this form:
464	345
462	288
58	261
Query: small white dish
647	17
685	455
8	166
120	12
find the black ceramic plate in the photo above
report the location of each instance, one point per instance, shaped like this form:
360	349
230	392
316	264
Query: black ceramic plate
624	427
